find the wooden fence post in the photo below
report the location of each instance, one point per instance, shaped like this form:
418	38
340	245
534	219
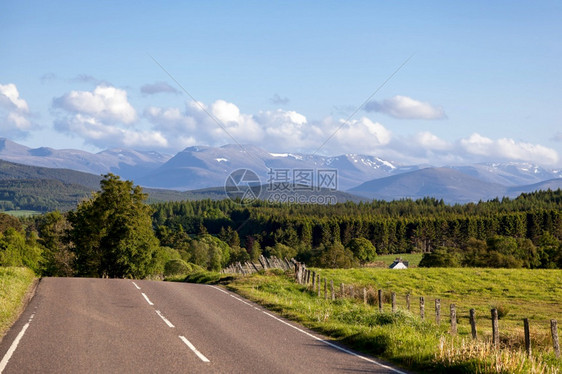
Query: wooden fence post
325	289
554	332
332	289
453	319
408	302
438	311
393	300
495	330
422	307
318	283
380	300
473	323
342	290
313	281
365	295
527	336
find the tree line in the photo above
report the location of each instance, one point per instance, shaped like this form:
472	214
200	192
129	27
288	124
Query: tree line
115	233
531	223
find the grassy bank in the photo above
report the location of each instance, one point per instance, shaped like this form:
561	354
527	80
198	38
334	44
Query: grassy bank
404	338
14	283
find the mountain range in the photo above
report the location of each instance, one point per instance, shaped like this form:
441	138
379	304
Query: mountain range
203	167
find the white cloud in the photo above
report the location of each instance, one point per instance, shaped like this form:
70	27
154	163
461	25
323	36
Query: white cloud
429	141
10	97
15	116
104	118
404	107
477	144
361	135
105	103
508	149
278	129
103	135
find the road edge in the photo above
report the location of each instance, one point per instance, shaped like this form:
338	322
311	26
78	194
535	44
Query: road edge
329	340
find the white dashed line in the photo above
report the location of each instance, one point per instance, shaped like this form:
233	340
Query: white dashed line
313	336
14	345
192	347
165	319
147	299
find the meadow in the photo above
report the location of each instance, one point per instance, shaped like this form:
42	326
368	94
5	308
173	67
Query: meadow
22	213
403	337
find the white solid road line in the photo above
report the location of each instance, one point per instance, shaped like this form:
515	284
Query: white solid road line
138	288
14	345
147	299
165	319
192	347
313	336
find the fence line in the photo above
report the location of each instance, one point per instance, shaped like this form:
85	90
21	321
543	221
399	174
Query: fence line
263	263
303	275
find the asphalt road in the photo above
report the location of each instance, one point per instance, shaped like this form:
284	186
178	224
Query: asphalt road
77	325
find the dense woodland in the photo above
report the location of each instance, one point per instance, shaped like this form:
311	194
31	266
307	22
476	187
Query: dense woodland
521	232
116	233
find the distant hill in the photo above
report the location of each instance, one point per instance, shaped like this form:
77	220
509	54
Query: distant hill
202	167
42	195
206	169
14	171
47	189
125	162
451	185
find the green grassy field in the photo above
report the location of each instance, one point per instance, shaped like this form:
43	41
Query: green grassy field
21	213
404	338
14	283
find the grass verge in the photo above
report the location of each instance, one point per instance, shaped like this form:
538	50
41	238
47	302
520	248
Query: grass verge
14	284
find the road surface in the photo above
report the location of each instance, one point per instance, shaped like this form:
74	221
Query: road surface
79	325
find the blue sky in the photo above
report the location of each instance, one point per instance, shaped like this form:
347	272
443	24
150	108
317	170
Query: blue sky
482	82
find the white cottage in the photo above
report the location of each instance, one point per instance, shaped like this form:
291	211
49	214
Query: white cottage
399	264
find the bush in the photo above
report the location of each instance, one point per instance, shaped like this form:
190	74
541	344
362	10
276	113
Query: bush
176	267
441	258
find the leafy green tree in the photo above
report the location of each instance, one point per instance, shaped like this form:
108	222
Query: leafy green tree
58	259
112	232
335	256
17	250
281	251
253	248
363	250
550	250
7	221
441	258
